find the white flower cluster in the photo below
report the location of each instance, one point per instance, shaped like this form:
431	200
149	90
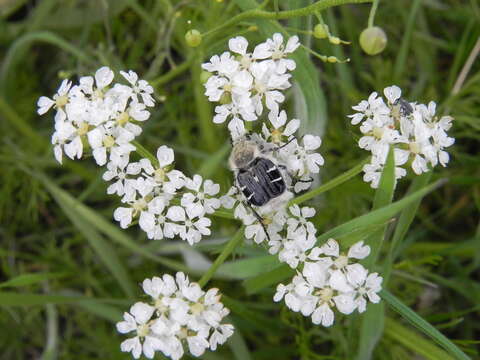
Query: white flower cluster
95	112
180	314
415	132
243	82
331	279
148	191
105	116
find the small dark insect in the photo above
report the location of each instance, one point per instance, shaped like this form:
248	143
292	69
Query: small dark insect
258	176
403	107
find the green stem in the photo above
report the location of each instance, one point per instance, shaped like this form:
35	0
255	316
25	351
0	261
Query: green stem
226	251
173	73
286	14
373	10
331	184
145	153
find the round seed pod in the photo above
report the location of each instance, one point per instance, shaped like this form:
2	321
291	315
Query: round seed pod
193	38
373	40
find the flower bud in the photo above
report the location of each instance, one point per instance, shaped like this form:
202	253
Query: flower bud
334	40
373	40
320	31
193	38
226	98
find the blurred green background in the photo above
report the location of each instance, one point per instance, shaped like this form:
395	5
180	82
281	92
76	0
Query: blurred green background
87	269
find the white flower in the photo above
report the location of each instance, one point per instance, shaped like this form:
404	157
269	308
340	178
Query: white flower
140	88
153	220
299	221
277	51
60	99
138	201
267	85
374	108
365	285
281	129
304	161
203	196
61	139
108	142
190	223
295	246
393	94
163	177
138	320
120	172
224	65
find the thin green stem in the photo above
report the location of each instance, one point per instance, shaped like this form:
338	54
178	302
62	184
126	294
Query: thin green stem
286	14
173	73
373	10
331	184
226	251
145	153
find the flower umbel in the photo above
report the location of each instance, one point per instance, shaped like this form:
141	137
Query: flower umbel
179	316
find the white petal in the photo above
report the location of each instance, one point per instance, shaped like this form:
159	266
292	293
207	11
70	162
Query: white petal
359	250
165	156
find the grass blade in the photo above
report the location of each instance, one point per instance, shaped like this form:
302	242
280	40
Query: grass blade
404	222
413	341
423	326
104	250
380	215
373	320
30	279
105	227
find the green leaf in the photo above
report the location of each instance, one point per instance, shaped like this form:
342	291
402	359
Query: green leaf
256	318
112	231
373	320
423	326
27	299
413	341
104	250
30	279
245	268
239	346
210	166
380	215
340	179
404	221
264	280
106	311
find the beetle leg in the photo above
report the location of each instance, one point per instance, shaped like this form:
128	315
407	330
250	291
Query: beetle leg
259	218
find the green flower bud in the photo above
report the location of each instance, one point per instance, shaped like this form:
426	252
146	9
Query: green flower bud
334	40
226	98
373	40
320	31
193	38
